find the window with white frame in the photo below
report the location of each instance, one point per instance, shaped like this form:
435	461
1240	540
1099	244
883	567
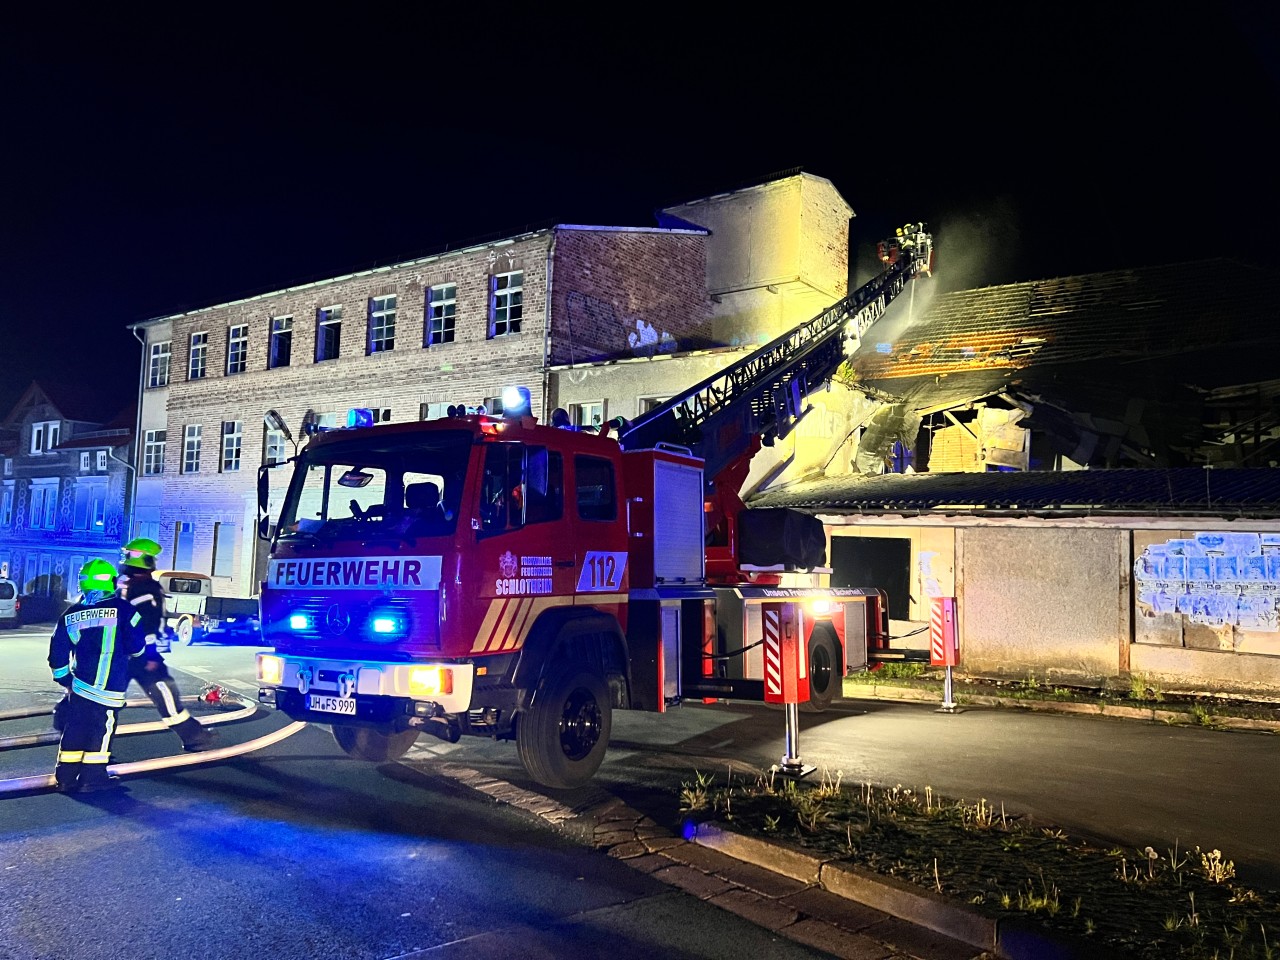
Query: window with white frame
102	460
273	447
645	404
433	411
197	358
506	306
588	414
6	504
281	342
232	437
153	453
224	549
8	466
89	505
85	459
191	448
382	323
328	332
158	364
45	436
442	307
238	348
44	504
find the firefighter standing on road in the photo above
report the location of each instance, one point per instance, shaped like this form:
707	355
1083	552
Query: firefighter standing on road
90	653
139	588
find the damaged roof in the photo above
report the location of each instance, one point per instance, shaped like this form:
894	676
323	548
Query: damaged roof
1127	354
1185	491
1137	315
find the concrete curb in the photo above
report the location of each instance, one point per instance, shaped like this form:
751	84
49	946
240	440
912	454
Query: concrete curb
892	897
1009	939
1120	711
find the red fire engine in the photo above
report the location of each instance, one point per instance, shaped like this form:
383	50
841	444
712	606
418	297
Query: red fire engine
492	575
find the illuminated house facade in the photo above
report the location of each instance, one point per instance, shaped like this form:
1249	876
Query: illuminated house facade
64	487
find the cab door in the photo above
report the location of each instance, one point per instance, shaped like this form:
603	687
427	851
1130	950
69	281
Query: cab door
525	548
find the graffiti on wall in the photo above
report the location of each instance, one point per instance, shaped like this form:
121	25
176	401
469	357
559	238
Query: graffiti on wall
1214	579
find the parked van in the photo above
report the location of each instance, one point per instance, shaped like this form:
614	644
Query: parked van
10	605
193	613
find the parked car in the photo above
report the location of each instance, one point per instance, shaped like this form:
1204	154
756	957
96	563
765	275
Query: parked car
10	605
194	614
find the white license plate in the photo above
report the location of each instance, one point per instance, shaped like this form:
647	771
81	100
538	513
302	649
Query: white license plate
323	704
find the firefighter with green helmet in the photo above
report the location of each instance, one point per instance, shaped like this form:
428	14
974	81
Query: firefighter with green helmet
138	586
90	653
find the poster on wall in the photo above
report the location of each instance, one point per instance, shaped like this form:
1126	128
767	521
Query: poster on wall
1214	579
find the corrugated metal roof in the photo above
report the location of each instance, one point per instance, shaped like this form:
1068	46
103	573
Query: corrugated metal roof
1172	492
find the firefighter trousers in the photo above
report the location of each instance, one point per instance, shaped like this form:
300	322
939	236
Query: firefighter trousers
85	749
163	692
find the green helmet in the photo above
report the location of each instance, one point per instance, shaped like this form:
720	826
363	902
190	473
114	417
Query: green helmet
97	576
140	552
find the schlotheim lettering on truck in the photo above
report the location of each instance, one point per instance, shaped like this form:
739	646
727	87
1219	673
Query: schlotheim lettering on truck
492	575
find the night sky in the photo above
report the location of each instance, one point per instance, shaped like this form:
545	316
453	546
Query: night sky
163	165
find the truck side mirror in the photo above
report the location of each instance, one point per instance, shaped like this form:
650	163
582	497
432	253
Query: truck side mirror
264	489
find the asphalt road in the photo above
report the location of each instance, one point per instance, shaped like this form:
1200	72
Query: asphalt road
299	853
304	853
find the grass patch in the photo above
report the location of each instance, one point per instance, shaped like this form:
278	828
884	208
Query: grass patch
1140	903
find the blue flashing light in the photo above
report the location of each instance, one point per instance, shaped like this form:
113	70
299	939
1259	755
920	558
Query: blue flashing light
384	625
360	417
689	830
299	621
516	402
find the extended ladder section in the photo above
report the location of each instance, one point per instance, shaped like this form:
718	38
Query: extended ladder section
763	394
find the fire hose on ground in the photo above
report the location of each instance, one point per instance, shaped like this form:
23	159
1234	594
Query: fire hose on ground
46	781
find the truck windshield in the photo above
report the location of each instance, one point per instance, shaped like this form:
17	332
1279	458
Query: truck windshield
401	485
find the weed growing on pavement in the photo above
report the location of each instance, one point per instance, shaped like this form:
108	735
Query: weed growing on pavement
1143	689
1135	903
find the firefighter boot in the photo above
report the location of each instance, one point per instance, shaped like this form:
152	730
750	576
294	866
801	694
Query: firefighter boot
94	778
194	736
67	776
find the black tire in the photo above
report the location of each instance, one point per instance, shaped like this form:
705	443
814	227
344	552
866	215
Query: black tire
562	737
365	743
826	670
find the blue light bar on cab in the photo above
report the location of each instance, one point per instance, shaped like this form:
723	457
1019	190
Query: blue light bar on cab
516	402
359	417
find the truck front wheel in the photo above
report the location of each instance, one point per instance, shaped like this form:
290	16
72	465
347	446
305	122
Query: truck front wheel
365	743
562	737
185	631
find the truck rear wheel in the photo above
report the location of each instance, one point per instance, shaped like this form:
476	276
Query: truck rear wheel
826	670
562	737
365	743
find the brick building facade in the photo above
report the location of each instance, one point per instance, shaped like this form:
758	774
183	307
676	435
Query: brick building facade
602	320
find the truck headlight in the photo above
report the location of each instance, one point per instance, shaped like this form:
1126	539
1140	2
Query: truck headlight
430	681
270	669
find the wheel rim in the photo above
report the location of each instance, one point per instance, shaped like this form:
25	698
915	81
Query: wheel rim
580	723
184	631
820	667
